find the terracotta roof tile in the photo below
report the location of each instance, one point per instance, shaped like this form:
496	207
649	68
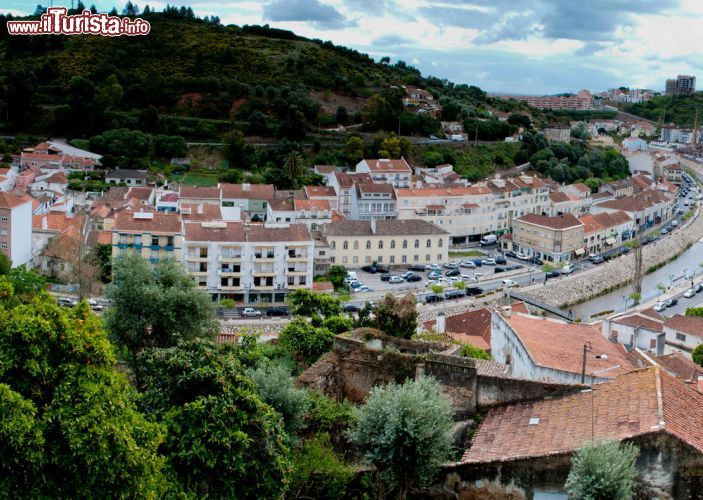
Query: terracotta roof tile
385	165
472	327
8	200
159	222
248	191
691	325
318	191
200	212
383	227
198	192
235	232
640	320
641	402
311	205
558	197
636	203
557	222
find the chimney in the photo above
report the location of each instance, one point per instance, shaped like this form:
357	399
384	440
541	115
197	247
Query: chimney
507	311
441	324
44	222
246	186
373	226
200	209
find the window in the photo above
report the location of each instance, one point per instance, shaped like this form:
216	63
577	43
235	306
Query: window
392	259
332	260
368	244
417	243
203	250
301	281
429	243
368	259
404	259
291	280
427	258
345	246
416	258
344	260
155	243
380	244
405	243
3	218
440	242
439	257
169	241
681	337
3	246
355	259
356	245
392	244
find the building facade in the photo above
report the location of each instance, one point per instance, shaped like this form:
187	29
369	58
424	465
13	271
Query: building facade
554	239
153	235
16	228
384	171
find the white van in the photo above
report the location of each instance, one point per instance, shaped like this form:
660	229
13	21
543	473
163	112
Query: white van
489	239
352	275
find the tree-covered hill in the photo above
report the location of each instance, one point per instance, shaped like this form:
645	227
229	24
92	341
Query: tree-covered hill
680	110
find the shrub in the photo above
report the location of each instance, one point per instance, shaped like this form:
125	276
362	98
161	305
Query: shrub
603	470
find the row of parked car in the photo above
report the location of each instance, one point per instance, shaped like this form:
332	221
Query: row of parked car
69	302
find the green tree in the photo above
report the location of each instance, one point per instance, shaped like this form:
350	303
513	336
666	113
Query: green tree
110	93
294	165
437	289
68	424
694	311
307	303
305	341
318	472
661	287
5	264
354	150
396	317
404	431
635	297
697	355
469	351
222	440
170	146
336	275
233	149
277	388
155	307
603	470
460	285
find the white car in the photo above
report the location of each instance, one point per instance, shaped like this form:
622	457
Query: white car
567	269
396	279
509	283
433	267
349	280
522	256
250	312
691	292
469	264
362	288
660	306
431	283
488	262
469	279
674	223
454	279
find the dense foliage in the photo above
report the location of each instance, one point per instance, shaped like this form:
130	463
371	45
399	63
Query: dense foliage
469	351
68	424
396	317
155	307
603	470
697	355
680	109
404	431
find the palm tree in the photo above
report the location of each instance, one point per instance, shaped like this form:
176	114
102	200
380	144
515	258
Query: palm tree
294	165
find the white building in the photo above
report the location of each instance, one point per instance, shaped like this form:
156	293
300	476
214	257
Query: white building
16	228
641	330
395	172
373	201
683	333
249	262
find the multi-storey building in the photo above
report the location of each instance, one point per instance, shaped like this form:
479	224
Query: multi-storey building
682	85
555	239
373	201
605	231
468	213
249	262
16	228
582	100
252	199
383	171
343	184
394	242
153	235
647	208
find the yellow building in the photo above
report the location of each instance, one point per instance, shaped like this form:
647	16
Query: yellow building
555	239
391	242
153	235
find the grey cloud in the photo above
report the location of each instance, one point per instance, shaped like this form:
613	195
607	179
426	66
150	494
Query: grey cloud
391	41
454	16
312	11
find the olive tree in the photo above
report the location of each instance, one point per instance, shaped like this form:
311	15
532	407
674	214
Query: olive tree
603	469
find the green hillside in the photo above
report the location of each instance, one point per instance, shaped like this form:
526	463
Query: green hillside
680	110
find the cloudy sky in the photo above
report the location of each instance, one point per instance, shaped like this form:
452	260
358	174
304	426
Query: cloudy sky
510	46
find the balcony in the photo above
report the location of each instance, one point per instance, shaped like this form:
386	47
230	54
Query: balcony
138	246
225	273
264	256
297	287
296	272
229	258
264	272
155	248
198	273
122	246
296	257
263	288
229	288
196	258
169	248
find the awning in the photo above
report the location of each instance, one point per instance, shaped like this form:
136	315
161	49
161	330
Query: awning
610	241
579	251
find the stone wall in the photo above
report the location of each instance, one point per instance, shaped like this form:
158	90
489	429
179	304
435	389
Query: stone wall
667	469
616	273
365	358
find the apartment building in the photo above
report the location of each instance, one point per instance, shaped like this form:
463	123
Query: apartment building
153	235
604	231
343	184
555	239
373	201
681	85
384	171
392	242
250	198
647	208
249	263
582	100
468	213
326	193
16	228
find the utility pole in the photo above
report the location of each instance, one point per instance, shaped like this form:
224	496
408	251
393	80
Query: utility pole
637	278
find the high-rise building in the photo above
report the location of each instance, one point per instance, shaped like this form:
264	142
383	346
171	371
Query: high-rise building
682	85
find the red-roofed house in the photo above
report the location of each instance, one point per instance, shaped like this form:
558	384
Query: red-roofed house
535	441
636	330
384	171
538	348
683	333
556	239
471	327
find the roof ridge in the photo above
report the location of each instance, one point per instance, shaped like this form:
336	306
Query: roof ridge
660	399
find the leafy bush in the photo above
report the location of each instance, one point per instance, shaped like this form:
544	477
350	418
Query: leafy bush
325	414
469	351
318	472
697	355
305	341
603	470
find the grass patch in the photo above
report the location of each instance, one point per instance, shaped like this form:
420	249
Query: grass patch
198	180
467	253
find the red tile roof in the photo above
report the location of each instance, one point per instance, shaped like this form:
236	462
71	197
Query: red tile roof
317	191
636	203
558	222
200	212
641	320
559	345
637	403
235	232
558	197
691	325
159	222
57	178
8	200
311	205
385	165
197	192
472	327
248	191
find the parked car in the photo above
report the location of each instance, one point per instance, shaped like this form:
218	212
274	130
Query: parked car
499	269
469	279
349	280
386	276
66	302
665	231
355	285
659	306
451	265
501	260
431	298
568	268
277	311
433	267
489	239
672	302
473	290
488	262
509	283
362	288
469	264
597	259
250	312
434	275
522	256
553	274
510	254
373	269
478	262
414	277
674	223
513	267
454	294
396	280
351	308
535	260
453	272
699	288
416	267
691	292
